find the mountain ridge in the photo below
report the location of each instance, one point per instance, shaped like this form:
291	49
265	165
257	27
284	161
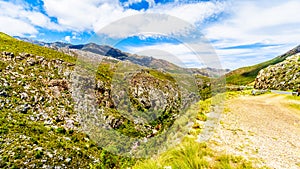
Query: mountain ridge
147	61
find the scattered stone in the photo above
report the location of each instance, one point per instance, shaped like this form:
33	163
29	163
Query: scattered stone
31	62
24	95
24	108
3	93
68	160
40	58
24	54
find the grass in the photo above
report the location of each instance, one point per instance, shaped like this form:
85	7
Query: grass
293	105
191	154
297	98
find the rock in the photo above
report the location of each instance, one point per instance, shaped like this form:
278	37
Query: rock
24	95
31	62
24	55
70	64
24	108
19	58
40	58
61	83
68	160
49	155
9	54
3	93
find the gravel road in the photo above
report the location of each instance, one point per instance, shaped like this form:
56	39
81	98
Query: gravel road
262	129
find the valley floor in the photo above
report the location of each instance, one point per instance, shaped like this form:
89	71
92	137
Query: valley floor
264	129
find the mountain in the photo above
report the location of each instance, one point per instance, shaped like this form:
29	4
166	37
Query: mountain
247	75
282	76
147	61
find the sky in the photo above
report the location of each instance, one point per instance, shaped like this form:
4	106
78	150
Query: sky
234	33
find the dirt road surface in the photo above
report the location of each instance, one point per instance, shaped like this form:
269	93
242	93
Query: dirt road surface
262	129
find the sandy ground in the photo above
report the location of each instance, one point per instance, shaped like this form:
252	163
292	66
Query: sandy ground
261	129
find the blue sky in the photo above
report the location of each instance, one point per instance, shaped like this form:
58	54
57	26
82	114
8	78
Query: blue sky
240	32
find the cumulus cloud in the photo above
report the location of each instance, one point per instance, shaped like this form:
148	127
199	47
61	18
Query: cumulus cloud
96	14
253	21
19	19
250	22
77	15
68	39
184	54
16	27
192	12
86	15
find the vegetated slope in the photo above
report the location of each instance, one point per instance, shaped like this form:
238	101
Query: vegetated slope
39	125
282	76
11	44
246	75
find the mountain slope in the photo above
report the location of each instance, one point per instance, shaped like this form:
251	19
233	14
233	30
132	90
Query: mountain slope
282	76
38	124
40	102
246	75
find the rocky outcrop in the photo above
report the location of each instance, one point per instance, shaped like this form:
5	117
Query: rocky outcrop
38	92
282	76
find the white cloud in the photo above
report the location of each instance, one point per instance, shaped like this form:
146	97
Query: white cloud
17	19
151	3
235	58
81	15
78	15
96	14
68	39
252	22
258	21
185	55
191	12
16	27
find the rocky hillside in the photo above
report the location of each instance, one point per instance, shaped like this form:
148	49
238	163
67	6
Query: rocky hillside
282	76
247	75
38	125
41	94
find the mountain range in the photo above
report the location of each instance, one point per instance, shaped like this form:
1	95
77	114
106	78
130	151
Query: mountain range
147	61
240	76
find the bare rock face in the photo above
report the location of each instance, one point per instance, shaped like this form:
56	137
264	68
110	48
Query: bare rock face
282	76
154	96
